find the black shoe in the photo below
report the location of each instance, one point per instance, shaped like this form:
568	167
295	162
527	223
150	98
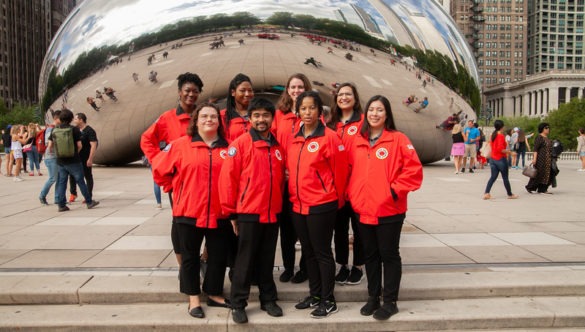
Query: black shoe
308	302
324	309
387	310
529	191
471	170
43	201
342	275
286	276
92	204
197	312
300	276
463	170
212	303
239	316
63	208
372	305
355	276
272	309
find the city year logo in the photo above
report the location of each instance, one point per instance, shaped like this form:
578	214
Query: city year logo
313	146
382	153
278	155
352	130
223	154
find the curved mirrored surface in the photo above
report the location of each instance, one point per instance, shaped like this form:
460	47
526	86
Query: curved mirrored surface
396	48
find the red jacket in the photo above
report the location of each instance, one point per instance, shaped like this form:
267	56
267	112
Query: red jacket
192	168
285	126
318	171
237	124
252	179
350	130
382	176
171	125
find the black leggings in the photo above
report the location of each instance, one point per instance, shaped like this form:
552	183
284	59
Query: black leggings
341	237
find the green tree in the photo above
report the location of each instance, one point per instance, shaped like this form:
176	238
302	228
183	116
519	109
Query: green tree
566	121
18	115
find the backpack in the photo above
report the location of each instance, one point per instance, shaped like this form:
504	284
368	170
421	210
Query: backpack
40	141
63	142
557	148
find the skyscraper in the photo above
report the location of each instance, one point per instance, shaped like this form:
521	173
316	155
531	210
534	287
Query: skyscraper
26	29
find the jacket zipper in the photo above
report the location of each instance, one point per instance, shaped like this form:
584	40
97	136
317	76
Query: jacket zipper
297	179
209	187
245	190
270	197
320	179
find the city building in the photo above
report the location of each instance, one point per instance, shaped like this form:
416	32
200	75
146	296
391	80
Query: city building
555	59
26	30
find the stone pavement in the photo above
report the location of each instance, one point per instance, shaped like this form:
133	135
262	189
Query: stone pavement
469	264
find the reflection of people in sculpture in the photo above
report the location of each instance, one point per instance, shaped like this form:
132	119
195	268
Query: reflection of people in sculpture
110	93
152	76
165	54
171	125
91	102
349	56
312	61
241	41
411	99
422	105
135	77
449	122
98	95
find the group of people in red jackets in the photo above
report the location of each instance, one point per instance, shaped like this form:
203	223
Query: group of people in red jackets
237	175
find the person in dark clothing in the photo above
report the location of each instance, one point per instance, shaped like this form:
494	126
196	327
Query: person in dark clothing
89	143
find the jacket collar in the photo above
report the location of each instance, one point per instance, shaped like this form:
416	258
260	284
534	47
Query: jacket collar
219	143
387	136
355	117
256	137
320	131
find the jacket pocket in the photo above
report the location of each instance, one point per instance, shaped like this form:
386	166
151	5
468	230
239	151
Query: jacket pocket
321	180
245	190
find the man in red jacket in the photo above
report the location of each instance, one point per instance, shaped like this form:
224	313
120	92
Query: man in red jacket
252	182
171	125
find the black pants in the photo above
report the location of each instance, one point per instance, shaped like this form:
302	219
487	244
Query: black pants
190	239
341	237
382	250
255	258
288	236
315	232
87	174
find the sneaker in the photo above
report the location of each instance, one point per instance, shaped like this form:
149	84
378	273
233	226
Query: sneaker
308	302
299	277
18	179
372	305
355	276
72	198
387	310
43	201
324	309
471	170
159	206
239	316
463	170
63	208
286	276
92	204
272	309
342	275
581	170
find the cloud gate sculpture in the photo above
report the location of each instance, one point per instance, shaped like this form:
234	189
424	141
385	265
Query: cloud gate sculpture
137	48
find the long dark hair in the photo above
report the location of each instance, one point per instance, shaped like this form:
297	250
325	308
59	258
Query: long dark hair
336	111
231	100
285	103
388	124
193	130
498	125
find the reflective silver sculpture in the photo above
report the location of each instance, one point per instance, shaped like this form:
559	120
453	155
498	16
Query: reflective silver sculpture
379	45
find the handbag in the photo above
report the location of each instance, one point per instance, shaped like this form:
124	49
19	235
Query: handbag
27	148
486	150
529	171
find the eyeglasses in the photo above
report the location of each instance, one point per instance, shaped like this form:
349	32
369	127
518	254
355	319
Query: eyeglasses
546	127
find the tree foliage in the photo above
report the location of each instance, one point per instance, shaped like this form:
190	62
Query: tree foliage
566	121
18	115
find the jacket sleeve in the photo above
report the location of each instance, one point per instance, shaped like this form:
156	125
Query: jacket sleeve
229	180
164	167
411	175
339	164
149	141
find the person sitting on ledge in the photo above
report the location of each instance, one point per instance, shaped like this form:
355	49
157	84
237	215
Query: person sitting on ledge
422	105
449	122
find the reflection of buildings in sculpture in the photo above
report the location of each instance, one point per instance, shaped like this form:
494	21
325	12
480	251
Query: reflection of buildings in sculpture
535	96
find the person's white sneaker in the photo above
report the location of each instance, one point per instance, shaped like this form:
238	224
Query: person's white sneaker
581	170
